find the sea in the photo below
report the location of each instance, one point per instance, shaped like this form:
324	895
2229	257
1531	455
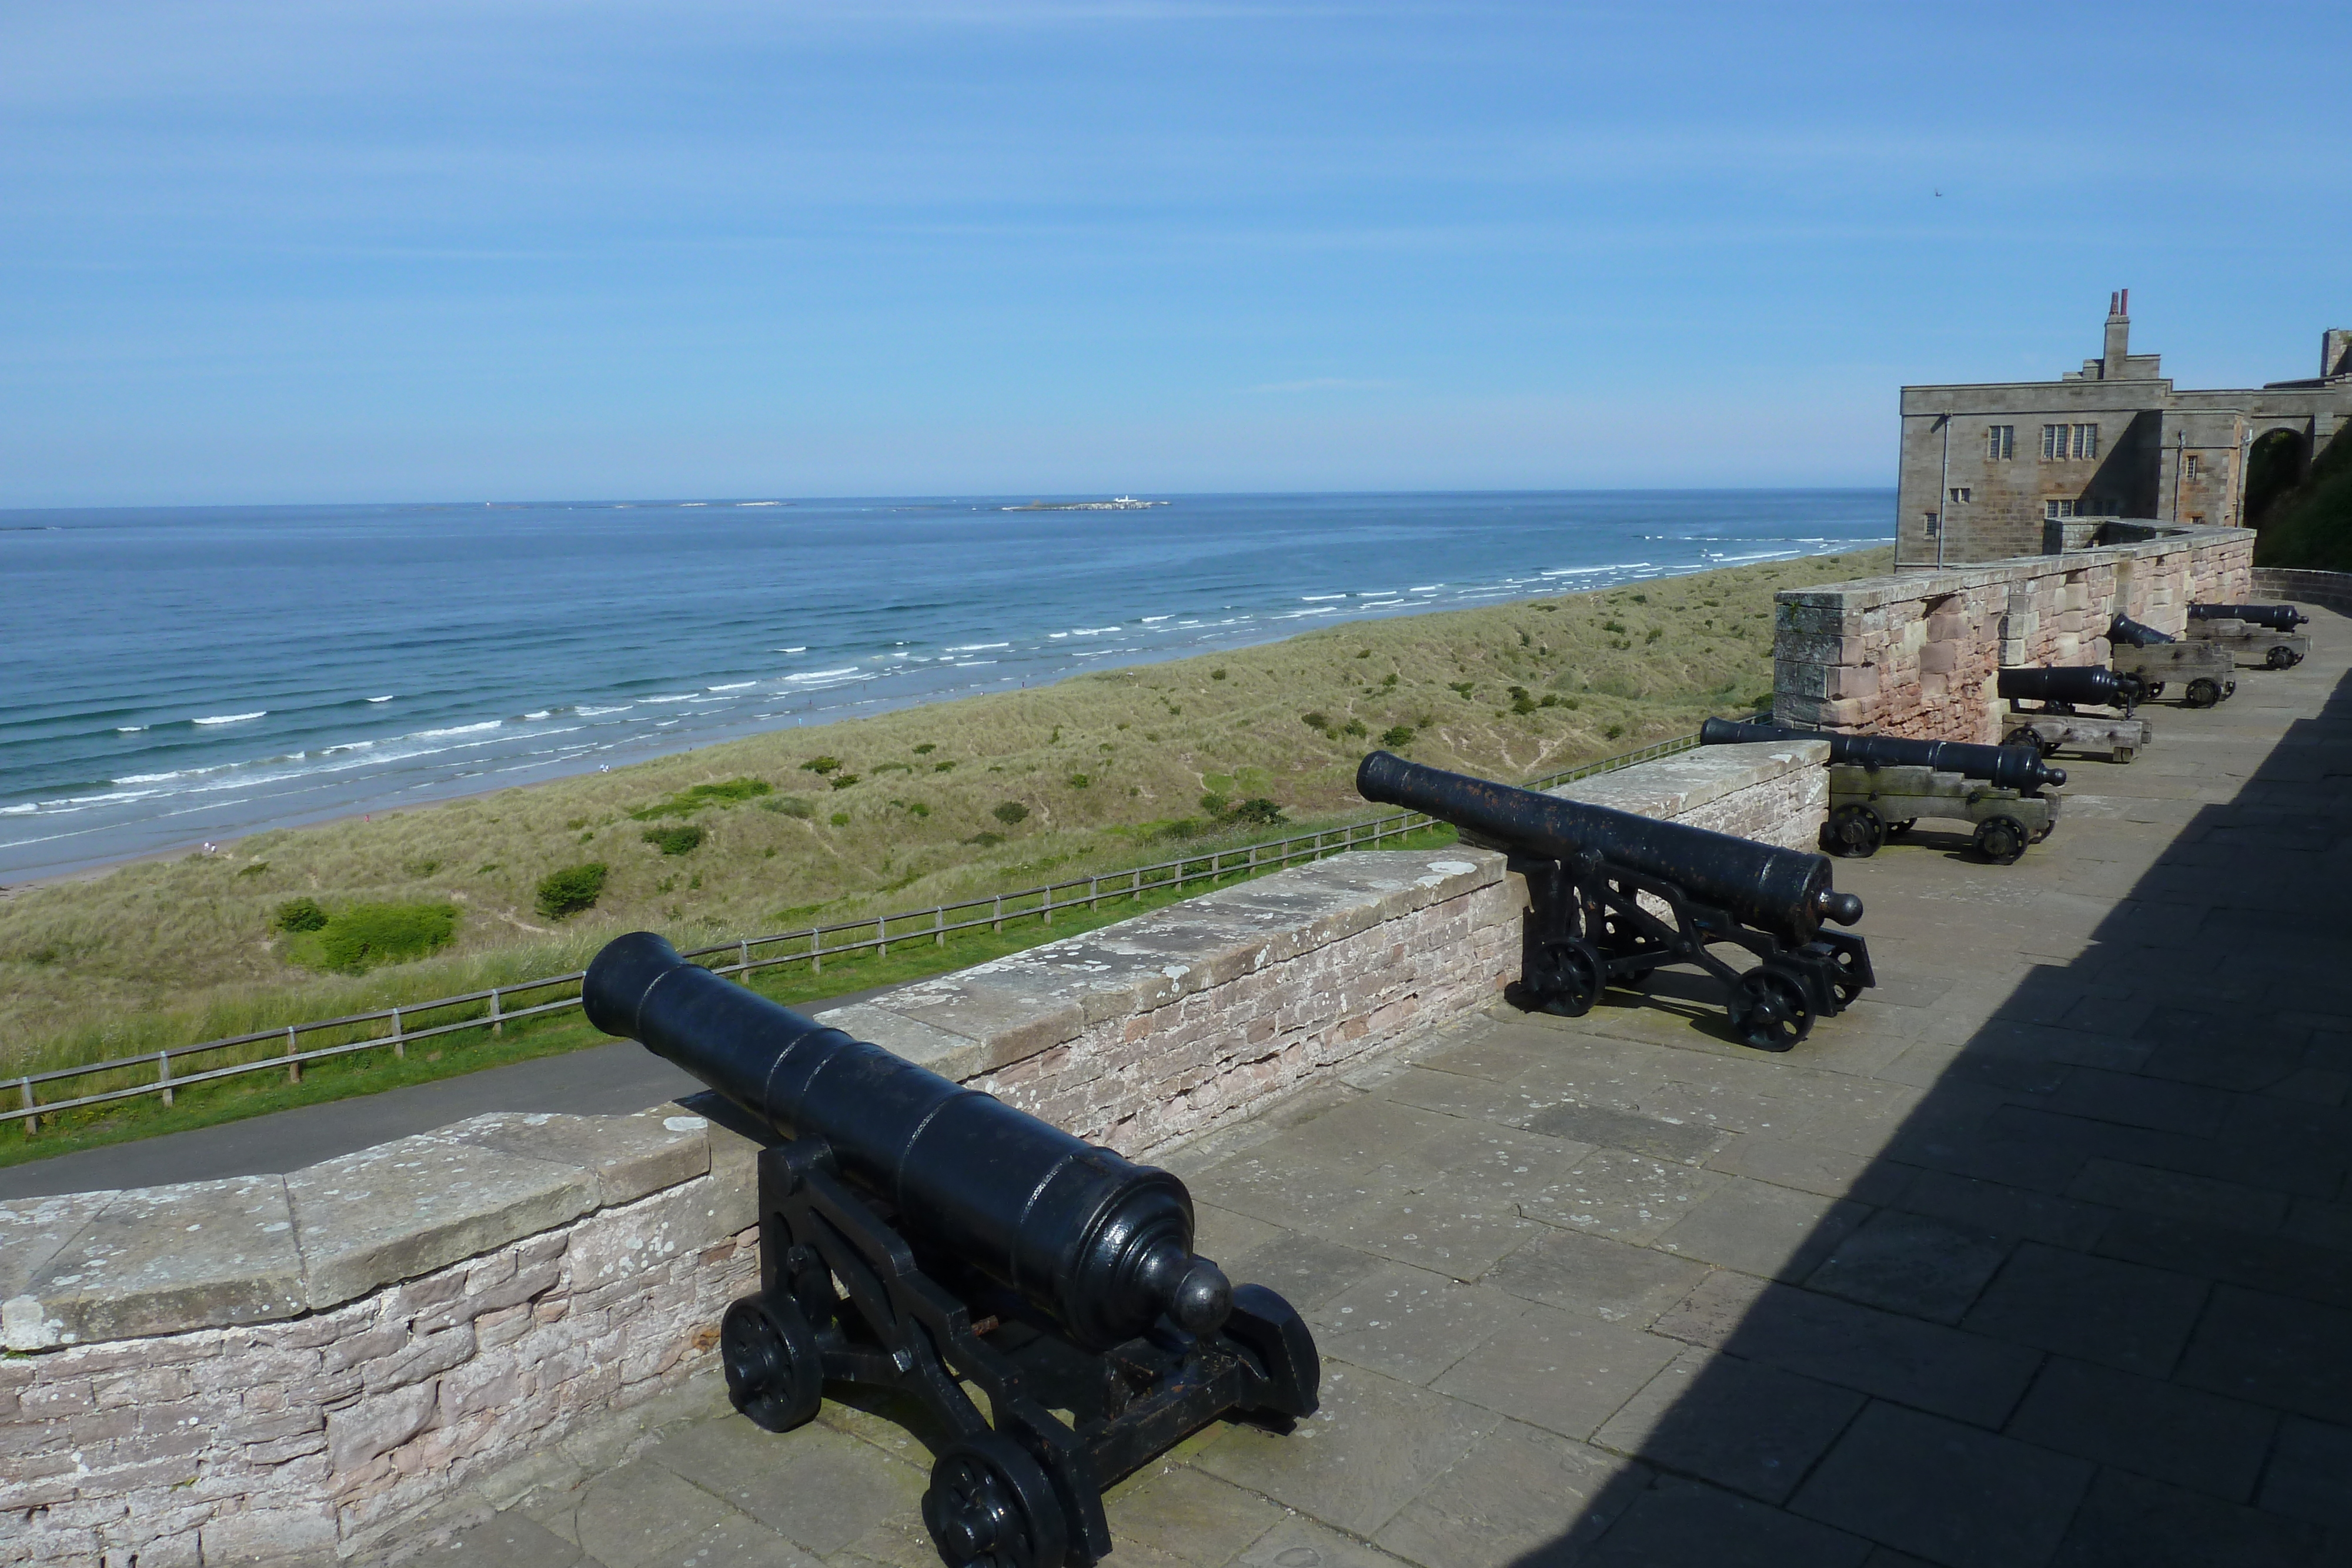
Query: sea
171	677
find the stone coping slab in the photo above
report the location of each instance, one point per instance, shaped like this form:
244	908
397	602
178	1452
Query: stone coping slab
1869	592
150	1261
1680	785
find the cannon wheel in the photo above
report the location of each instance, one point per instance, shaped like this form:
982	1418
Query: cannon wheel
1854	832
2284	658
2026	735
2001	840
1897	830
775	1369
1568	982
990	1506
2154	690
1775	1013
2203	691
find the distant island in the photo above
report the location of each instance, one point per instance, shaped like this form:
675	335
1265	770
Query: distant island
1116	504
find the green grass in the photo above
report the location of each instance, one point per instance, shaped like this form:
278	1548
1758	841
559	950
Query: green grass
912	958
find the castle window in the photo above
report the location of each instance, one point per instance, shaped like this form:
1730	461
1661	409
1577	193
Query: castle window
2053	510
2001	442
1934	525
2062	441
2188	470
1960	494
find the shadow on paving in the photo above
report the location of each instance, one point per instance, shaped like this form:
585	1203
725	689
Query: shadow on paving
2104	1315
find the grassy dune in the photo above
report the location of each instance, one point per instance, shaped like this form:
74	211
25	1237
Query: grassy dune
1110	769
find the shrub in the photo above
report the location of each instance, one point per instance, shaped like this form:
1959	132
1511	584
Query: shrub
985	840
1216	675
300	915
790	806
1319	722
682	840
1520	701
1011	812
1655	632
1613	732
695	798
1390	679
1613	624
839	819
843	780
822	765
564	894
255	869
925	748
367	934
1258	812
1462	687
1079	780
1214	803
1396	735
943	766
1354	729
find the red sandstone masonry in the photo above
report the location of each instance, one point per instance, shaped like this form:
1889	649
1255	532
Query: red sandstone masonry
1915	654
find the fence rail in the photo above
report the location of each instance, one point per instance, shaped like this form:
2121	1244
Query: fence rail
395	1029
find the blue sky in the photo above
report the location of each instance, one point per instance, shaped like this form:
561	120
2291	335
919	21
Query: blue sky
325	252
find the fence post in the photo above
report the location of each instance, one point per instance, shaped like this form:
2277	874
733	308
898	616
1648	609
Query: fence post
1253	860
882	935
163	1073
999	926
32	1124
938	925
817	950
497	1026
1045	903
1094	892
293	1068
399	1046
744	960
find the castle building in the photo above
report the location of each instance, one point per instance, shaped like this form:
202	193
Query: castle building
2011	468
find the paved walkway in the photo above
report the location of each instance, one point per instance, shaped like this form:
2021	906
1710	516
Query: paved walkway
2040	1254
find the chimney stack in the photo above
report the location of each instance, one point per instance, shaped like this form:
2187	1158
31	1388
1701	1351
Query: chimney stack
2111	364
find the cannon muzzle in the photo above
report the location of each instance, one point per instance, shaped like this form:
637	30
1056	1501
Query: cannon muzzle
2016	768
1783	890
1102	1246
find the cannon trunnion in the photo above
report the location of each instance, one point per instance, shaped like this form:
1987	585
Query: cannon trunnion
916	1236
1880	785
1613	896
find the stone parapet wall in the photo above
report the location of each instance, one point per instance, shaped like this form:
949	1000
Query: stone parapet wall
1915	654
2274	584
276	1366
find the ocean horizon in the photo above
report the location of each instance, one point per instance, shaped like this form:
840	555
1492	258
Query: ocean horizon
179	676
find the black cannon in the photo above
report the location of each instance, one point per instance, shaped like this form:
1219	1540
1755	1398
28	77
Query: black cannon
2004	767
1881	785
2126	632
2277	617
916	1236
2065	689
1588	869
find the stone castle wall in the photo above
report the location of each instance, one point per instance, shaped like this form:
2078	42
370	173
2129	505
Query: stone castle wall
1915	654
271	1367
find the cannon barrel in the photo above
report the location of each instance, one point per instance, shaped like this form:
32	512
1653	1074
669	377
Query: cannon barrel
1782	891
1101	1245
2277	617
2004	767
2093	685
2132	633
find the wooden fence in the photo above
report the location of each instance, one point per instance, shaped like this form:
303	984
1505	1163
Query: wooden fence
397	1029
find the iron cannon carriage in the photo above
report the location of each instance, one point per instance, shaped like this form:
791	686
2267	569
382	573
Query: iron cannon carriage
1613	896
1881	785
2155	659
916	1236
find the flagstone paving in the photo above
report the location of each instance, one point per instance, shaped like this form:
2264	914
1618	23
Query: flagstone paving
2041	1253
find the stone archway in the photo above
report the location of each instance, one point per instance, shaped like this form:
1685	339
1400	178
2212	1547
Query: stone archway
2274	464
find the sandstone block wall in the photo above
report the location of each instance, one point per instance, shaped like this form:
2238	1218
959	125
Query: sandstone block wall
1915	654
279	1367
